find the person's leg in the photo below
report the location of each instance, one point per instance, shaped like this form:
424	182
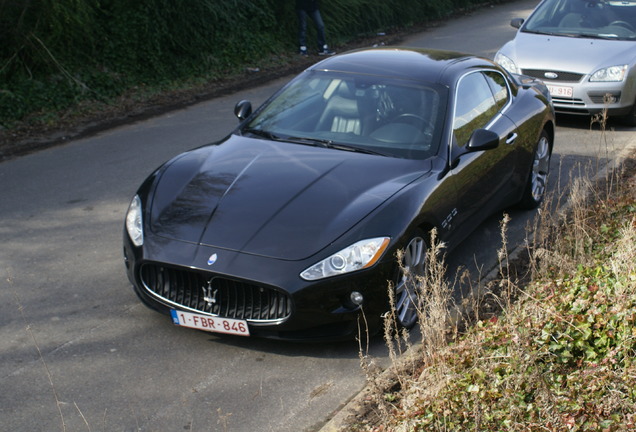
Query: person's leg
320	28
302	31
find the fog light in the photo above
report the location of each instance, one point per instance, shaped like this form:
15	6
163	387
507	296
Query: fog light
356	298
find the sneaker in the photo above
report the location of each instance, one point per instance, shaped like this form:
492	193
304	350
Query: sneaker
325	51
303	51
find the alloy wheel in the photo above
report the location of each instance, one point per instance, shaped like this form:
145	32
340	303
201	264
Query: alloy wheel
540	168
406	291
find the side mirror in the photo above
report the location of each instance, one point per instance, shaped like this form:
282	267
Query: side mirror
516	22
243	109
482	139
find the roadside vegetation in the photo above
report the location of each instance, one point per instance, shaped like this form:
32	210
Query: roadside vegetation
68	60
557	353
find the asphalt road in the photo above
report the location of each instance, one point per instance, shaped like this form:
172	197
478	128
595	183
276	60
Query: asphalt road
78	352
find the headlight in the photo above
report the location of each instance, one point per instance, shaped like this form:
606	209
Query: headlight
610	74
360	255
134	222
506	63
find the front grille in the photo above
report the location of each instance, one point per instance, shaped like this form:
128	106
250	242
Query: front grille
567	101
226	298
569	106
562	76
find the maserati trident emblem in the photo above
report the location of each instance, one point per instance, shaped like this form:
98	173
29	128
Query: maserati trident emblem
209	293
212	259
551	75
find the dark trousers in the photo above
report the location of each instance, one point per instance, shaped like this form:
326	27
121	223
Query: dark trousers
302	27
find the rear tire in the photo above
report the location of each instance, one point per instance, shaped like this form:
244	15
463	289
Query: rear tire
536	185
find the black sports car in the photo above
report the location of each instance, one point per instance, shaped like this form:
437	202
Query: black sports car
288	228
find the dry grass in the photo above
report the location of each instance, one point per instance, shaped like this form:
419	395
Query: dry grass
559	354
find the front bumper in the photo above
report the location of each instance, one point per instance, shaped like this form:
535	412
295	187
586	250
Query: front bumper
587	97
265	292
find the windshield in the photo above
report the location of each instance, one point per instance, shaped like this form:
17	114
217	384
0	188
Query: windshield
355	113
603	19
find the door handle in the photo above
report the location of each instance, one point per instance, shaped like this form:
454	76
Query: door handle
511	138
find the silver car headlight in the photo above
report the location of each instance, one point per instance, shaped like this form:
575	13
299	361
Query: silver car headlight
360	255
610	74
506	63
134	222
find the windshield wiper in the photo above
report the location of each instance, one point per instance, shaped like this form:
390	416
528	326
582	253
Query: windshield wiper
540	32
262	133
607	36
318	142
355	149
575	35
310	141
591	35
332	145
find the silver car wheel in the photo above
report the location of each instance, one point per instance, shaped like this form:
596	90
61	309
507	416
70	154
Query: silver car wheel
413	264
540	168
536	185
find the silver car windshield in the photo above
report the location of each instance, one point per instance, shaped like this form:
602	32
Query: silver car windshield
602	19
369	114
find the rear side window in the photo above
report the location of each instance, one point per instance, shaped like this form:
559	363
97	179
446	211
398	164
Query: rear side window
499	88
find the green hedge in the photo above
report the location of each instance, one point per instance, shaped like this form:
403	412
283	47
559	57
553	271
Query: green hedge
56	53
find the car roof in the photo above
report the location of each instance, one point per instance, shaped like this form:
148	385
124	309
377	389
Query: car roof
428	65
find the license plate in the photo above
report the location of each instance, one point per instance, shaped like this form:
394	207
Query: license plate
209	323
560	91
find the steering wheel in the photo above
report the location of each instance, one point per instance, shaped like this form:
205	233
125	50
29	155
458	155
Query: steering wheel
416	121
624	24
424	126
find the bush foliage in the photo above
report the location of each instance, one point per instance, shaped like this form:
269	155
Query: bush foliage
558	356
56	53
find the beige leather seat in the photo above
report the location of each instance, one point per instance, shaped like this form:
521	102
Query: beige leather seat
341	113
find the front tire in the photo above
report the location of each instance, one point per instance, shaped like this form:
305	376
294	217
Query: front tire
536	185
412	268
630	118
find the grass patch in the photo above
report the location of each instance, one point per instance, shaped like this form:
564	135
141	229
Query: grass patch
558	356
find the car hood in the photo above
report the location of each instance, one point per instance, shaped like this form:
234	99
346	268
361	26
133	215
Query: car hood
276	199
558	53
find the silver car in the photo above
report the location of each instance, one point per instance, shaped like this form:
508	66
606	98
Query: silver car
584	51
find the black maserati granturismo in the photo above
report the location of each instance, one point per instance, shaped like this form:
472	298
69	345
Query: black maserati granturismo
289	227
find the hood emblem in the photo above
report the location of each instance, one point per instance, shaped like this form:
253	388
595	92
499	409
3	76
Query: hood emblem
209	294
551	75
212	259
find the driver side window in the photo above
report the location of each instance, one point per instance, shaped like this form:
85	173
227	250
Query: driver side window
475	106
